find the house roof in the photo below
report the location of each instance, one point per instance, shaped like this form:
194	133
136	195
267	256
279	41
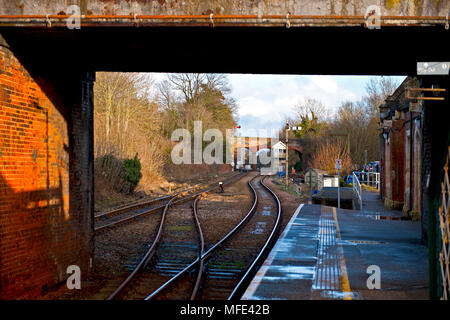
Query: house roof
279	145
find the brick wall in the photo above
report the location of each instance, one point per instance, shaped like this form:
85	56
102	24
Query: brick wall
40	235
416	169
398	163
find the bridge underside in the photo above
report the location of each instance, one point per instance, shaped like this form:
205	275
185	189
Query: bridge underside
309	50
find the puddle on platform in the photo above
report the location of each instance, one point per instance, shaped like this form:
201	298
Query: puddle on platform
291	273
379	216
333	294
356	242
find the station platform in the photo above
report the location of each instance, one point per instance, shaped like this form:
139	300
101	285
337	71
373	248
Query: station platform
329	253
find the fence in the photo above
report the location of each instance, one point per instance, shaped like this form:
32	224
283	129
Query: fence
371	179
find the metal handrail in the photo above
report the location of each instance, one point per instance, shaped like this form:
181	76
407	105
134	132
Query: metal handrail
371	178
377	180
357	189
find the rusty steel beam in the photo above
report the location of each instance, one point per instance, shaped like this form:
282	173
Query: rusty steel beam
237	16
426	89
221	20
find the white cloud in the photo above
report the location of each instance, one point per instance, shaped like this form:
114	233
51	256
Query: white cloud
265	101
270	98
325	83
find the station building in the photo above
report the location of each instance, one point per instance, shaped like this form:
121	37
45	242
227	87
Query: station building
401	140
415	153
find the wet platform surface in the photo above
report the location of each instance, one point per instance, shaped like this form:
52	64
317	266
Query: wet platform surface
325	253
373	204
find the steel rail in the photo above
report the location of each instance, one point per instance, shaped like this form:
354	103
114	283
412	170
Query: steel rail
186	198
130	206
250	269
202	249
139	203
150	253
213	248
253	267
132	217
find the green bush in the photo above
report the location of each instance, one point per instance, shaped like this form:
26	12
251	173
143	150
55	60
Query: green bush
133	172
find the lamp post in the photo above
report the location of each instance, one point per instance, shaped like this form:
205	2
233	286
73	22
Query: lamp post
287	153
287	149
338	166
236	143
310	182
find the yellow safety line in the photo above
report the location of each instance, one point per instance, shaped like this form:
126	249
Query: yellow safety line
344	276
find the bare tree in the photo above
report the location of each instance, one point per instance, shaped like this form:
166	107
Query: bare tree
353	120
189	84
327	152
218	82
377	90
127	121
310	106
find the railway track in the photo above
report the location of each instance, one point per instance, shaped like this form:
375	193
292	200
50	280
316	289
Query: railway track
169	253
178	267
137	210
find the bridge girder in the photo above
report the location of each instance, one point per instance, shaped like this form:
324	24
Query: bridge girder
253	13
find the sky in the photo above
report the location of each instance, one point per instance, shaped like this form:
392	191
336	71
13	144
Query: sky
265	101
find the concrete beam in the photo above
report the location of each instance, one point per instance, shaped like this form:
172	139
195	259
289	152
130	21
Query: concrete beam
217	7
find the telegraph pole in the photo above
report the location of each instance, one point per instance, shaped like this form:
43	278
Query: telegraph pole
365	159
338	166
235	142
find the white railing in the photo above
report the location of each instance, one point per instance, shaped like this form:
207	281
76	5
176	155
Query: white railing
377	180
371	179
357	190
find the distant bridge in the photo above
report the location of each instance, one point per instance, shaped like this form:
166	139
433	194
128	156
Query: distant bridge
254	144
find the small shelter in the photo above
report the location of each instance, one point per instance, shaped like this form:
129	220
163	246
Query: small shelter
314	178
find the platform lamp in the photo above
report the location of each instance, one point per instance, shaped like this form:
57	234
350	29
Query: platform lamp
310	181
